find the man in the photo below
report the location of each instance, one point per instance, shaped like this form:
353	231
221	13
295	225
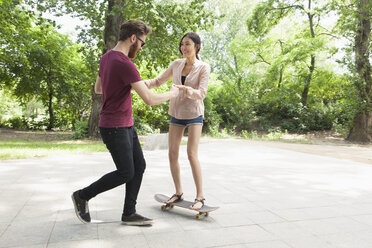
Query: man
117	76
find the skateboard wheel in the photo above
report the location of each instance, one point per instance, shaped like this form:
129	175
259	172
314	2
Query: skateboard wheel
198	216
172	206
163	207
207	213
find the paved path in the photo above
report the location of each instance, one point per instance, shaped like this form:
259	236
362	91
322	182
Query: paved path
269	198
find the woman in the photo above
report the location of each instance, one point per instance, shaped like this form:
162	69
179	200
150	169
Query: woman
191	76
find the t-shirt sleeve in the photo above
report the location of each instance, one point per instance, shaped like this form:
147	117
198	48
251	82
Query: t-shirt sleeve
130	74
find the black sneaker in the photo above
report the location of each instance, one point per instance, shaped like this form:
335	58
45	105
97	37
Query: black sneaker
136	220
81	207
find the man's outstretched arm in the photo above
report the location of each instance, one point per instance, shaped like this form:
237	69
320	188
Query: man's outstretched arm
151	98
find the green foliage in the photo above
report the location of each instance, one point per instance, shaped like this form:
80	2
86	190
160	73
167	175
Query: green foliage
233	103
259	51
249	135
169	20
212	119
264	72
151	119
81	130
8	106
16	122
24	122
46	66
267	14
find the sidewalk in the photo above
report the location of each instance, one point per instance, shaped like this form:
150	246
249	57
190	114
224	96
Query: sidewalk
269	197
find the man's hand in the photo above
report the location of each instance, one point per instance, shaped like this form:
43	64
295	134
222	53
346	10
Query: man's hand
151	98
174	90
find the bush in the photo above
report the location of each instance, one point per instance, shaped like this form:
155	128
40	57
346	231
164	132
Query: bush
143	128
81	130
280	109
211	119
16	122
150	119
232	106
2	122
249	135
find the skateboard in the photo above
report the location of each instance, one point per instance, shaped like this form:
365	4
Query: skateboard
104	221
184	204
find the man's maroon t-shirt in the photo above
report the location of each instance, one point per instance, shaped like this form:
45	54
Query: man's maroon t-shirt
117	73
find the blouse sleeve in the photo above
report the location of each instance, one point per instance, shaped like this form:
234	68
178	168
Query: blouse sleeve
164	77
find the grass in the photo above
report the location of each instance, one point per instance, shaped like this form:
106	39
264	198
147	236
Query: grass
18	144
275	134
20	148
272	135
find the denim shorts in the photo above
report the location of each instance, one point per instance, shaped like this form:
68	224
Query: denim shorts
186	122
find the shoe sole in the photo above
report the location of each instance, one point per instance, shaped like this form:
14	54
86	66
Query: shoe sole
141	223
77	211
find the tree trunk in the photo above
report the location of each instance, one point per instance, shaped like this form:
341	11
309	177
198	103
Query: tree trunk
50	111
113	21
305	92
361	130
93	130
308	81
281	67
236	71
114	18
280	77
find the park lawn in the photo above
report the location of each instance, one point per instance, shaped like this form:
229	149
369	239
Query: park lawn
19	148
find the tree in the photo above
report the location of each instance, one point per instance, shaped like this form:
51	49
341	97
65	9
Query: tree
47	69
113	20
13	20
266	70
217	42
355	21
169	21
269	13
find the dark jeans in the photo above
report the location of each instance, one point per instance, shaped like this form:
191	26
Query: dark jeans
126	152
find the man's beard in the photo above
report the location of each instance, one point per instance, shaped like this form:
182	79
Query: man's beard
133	50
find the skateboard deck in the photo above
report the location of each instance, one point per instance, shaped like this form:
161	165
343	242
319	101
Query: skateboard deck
104	221
184	204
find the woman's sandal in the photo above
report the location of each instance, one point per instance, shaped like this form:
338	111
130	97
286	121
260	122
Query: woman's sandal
196	201
179	198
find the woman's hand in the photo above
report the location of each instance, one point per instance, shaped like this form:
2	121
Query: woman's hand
187	90
174	91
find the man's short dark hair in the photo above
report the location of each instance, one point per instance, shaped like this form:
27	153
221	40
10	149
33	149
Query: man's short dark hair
127	29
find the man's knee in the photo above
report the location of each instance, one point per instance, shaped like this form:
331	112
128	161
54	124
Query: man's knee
140	166
126	174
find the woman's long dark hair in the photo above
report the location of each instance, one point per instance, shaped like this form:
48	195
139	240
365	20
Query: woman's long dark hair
195	38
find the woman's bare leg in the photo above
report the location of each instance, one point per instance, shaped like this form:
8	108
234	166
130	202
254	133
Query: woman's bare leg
192	153
174	142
